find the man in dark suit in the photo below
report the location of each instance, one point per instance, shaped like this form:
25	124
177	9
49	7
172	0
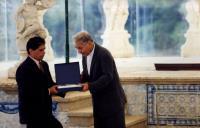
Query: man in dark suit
101	78
35	87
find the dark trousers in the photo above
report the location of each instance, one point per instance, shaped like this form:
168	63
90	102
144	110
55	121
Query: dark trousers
51	123
113	121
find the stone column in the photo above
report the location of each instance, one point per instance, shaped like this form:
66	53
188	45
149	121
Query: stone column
29	23
191	48
115	37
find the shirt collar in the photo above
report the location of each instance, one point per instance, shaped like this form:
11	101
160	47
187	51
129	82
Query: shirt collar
92	52
36	61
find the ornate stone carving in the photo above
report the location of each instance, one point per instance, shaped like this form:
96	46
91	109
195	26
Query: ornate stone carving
192	45
115	37
29	23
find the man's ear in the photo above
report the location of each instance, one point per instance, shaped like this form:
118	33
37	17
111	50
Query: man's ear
30	51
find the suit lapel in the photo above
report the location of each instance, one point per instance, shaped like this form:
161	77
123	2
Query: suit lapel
36	68
85	64
94	58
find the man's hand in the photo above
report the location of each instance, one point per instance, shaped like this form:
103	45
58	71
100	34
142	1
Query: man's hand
85	86
53	90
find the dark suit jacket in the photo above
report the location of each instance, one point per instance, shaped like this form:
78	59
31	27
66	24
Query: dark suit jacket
104	84
35	103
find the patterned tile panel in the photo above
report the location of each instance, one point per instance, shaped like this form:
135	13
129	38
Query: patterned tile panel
9	117
136	97
173	105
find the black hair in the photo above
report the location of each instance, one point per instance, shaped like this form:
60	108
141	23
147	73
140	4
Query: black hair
34	43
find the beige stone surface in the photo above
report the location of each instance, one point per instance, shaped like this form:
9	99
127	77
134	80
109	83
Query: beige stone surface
136	70
73	100
141	70
136	121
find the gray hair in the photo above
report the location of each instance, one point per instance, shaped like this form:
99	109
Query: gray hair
82	36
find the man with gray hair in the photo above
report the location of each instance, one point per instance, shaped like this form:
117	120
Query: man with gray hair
101	78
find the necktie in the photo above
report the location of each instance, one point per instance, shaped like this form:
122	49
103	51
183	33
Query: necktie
41	66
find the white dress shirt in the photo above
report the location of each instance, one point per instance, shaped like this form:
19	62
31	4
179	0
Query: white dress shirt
36	61
89	60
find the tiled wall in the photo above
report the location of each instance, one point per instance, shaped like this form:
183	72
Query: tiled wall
174	104
166	104
9	117
8	120
136	97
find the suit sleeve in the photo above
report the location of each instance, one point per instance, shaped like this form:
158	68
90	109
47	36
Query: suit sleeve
106	67
50	80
